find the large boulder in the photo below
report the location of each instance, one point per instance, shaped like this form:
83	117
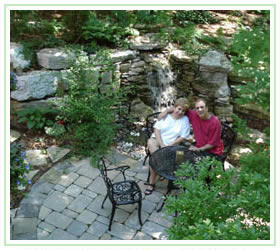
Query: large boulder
54	58
36	85
148	41
121	56
140	110
215	61
17	58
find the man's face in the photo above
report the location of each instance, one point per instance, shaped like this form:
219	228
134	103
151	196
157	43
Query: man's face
201	110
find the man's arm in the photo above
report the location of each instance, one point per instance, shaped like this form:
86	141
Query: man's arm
177	141
165	113
206	147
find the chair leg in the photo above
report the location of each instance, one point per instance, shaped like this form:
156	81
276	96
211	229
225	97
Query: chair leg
112	215
139	212
104	200
148	178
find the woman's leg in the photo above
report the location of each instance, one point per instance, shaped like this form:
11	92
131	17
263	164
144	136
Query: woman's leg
153	145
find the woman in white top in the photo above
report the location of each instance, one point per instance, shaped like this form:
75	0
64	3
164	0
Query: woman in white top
167	132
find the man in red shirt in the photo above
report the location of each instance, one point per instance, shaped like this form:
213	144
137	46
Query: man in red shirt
206	129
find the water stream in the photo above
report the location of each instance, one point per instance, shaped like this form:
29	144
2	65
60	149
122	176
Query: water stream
161	83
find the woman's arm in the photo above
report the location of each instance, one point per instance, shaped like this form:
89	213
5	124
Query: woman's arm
177	141
206	147
165	113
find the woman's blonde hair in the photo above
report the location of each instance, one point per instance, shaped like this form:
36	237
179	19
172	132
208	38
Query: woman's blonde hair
183	102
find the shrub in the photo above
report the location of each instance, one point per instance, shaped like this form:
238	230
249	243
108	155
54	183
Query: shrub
194	16
235	206
91	107
18	168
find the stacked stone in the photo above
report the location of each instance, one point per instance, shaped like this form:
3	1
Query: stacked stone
212	83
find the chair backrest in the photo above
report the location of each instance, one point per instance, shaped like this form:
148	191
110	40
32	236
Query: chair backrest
103	170
150	121
228	136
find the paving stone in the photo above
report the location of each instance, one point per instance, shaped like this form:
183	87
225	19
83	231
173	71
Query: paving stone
34	199
133	219
28	211
87	236
58	220
77	228
89	193
59	234
88	171
73	190
106	237
142	176
98	186
130	173
25	236
24	225
83	181
97	229
59	188
161	218
80	203
148	206
120	216
58	201
115	157
42	187
142	236
104	220
67	180
52	176
95	206
121	231
46	227
155	197
87	217
70	213
42	234
44	212
129	207
154	230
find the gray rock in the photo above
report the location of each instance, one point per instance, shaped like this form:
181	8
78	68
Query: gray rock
215	61
57	153
147	42
36	158
54	58
121	56
17	58
14	135
35	85
180	56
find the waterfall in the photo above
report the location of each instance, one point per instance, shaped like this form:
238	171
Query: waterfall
160	81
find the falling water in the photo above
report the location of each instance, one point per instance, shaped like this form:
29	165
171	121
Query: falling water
160	81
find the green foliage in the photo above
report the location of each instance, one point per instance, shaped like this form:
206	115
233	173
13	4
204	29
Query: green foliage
56	130
185	17
250	51
13	81
90	107
18	168
36	117
234	206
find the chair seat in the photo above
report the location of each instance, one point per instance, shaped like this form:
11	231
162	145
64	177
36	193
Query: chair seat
125	192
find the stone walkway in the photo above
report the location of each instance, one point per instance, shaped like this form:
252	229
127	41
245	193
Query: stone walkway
65	204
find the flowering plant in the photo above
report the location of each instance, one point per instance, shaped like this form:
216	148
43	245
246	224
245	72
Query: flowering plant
13	81
18	167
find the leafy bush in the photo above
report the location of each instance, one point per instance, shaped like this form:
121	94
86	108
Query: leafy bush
235	206
36	117
194	16
250	52
18	168
90	107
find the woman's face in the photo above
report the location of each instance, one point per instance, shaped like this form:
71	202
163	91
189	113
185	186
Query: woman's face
179	111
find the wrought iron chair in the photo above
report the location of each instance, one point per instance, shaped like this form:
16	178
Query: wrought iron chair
122	192
150	121
228	136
